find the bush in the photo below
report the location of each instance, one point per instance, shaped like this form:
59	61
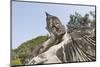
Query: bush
16	61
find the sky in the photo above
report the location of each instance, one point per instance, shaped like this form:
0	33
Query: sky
29	19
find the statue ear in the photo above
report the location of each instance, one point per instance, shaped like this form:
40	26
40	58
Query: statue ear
48	15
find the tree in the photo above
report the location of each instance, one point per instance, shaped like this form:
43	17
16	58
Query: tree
79	21
92	13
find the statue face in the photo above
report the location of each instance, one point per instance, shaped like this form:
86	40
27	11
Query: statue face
52	21
54	25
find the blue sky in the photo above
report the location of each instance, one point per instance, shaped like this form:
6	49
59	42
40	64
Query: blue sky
29	19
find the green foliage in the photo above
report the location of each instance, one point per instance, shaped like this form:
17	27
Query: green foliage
26	48
16	61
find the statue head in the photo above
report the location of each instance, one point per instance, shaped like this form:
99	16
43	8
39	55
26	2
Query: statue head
54	25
